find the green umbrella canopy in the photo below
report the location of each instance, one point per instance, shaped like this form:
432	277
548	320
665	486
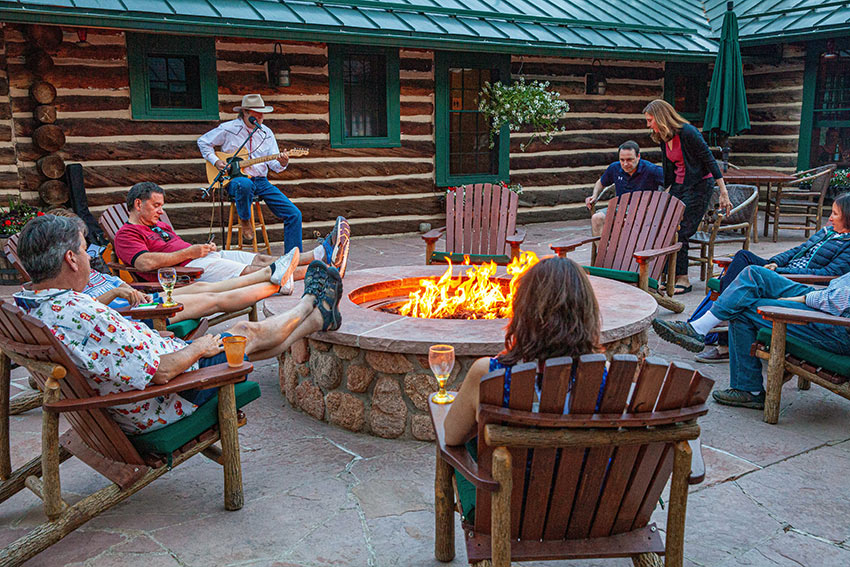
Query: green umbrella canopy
726	111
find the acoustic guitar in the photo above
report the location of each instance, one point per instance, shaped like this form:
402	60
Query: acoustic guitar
235	169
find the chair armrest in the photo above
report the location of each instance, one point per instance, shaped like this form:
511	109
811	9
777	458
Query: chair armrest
457	455
738	226
433	235
809	278
572	244
166	334
722	261
643	255
800	316
517	237
180	270
209	377
158	312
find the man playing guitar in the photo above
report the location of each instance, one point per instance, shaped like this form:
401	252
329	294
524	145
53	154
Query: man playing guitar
229	136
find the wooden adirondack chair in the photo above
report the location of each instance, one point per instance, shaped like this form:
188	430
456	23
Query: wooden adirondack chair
639	232
787	357
130	462
116	216
480	223
579	485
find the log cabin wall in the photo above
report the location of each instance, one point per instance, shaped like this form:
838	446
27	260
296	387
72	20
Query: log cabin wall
381	190
9	184
775	101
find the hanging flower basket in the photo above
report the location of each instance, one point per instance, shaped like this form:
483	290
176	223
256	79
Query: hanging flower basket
522	104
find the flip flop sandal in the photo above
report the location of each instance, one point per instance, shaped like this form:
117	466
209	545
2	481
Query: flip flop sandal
315	279
682	289
329	304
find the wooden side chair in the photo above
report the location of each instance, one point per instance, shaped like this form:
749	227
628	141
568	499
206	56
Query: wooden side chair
789	200
719	228
788	357
638	235
130	462
575	485
480	223
116	216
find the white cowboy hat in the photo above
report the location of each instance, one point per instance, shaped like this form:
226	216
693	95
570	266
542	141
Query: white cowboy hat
253	102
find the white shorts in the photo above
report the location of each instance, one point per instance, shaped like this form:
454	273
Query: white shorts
222	265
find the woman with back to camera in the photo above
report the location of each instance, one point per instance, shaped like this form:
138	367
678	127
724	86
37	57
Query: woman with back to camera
690	172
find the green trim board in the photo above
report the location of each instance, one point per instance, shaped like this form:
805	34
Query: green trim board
337	97
142	46
444	61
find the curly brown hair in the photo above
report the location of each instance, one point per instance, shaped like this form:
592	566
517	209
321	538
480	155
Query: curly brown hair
555	314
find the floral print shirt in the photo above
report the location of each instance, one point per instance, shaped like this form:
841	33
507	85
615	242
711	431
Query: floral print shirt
113	353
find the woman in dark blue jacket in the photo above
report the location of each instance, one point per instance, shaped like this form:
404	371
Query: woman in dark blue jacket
826	253
690	172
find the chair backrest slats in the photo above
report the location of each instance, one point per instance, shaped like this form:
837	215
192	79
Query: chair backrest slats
479	218
96	428
11	251
638	221
574	492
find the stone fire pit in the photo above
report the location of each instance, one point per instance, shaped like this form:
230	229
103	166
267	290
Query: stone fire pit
372	374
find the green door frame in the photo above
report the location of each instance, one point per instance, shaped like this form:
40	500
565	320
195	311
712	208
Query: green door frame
443	61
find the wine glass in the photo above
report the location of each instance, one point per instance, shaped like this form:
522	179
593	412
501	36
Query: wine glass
167	279
441	358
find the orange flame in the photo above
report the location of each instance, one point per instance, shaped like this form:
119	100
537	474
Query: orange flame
476	296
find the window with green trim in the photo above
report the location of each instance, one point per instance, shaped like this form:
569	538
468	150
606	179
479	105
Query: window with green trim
172	78
364	97
686	88
831	112
463	153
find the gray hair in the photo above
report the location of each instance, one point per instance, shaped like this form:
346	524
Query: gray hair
142	191
44	242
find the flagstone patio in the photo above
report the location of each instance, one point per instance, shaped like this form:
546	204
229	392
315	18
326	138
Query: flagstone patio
317	495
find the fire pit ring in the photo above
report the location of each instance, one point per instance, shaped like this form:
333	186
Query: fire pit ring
372	374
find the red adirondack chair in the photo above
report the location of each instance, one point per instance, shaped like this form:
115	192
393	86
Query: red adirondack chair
638	235
480	223
578	485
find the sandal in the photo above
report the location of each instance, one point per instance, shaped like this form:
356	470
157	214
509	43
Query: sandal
315	279
682	289
330	298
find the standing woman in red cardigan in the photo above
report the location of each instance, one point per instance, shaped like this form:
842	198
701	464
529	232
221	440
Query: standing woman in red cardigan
690	172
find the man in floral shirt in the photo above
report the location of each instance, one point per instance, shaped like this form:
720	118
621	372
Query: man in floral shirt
118	355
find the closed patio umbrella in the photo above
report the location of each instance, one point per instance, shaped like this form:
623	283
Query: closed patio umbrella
726	111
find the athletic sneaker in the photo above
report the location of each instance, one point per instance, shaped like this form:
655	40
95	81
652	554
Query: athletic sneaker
679	333
342	241
712	356
739	398
284	267
288	287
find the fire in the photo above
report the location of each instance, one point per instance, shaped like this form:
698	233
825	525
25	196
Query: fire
476	296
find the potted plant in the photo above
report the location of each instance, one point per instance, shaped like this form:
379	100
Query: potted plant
522	104
11	222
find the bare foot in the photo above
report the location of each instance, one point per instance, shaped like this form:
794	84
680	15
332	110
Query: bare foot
247	231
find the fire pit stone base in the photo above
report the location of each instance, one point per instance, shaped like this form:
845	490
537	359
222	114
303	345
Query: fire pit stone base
382	393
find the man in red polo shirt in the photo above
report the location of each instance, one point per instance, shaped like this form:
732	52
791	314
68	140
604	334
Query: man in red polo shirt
148	244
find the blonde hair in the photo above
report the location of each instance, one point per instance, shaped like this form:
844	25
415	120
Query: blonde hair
669	121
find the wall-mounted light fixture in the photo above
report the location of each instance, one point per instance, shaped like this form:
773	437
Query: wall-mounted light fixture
82	34
277	69
595	82
830	53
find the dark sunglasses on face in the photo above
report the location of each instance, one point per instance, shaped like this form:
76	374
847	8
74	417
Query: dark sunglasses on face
161	233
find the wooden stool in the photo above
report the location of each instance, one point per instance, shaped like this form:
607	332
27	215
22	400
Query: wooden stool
256	212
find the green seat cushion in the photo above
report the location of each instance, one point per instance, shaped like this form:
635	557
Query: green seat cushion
183	328
457	258
619	275
837	363
172	437
713	284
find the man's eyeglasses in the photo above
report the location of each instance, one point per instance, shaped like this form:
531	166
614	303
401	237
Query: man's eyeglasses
161	233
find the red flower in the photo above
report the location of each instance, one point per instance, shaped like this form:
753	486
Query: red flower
39	214
7	223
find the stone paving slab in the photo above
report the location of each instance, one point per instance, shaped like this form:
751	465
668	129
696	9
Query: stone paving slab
317	495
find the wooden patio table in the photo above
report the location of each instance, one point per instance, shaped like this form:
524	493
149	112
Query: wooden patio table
757	177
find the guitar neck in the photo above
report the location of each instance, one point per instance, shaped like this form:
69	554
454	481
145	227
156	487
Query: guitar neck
250	162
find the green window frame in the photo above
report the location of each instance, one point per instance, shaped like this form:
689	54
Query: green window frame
199	51
812	114
338	56
444	61
696	78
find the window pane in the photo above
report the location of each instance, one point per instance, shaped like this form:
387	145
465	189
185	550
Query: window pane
174	81
468	132
364	79
686	94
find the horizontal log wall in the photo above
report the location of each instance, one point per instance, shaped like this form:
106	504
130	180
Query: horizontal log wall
379	190
9	184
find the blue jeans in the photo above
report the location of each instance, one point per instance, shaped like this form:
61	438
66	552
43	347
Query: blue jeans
756	287
243	190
